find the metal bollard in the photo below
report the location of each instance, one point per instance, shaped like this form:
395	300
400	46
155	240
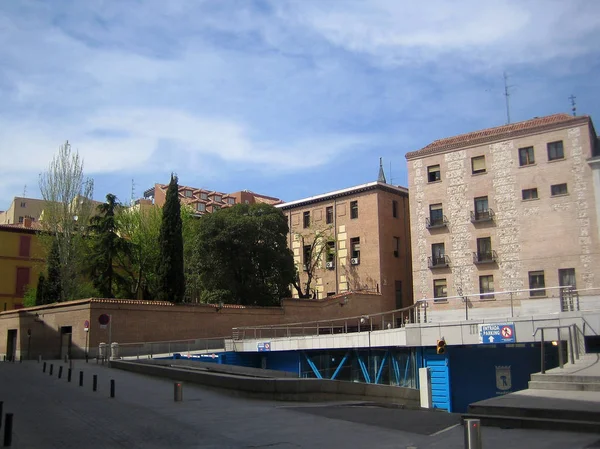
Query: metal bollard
95	382
60	372
81	378
51	368
472	434
44	368
69	375
112	388
1	407
8	424
66	360
177	392
39	358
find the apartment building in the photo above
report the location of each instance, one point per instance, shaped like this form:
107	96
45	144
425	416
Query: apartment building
506	208
355	239
20	262
21	208
206	201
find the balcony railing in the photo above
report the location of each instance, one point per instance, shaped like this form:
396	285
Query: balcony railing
485	257
438	222
438	262
482	215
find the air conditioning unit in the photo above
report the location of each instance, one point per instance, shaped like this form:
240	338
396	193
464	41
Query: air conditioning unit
354	261
329	265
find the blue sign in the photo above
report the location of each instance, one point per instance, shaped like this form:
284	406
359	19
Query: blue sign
264	347
492	334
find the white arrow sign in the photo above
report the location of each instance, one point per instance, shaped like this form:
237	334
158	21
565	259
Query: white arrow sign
491	339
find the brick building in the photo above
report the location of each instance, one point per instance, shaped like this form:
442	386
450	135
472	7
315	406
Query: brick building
506	208
206	201
357	239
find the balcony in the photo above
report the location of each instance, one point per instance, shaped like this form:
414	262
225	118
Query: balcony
485	257
438	222
482	216
438	262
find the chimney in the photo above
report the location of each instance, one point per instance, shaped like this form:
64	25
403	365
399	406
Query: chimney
26	222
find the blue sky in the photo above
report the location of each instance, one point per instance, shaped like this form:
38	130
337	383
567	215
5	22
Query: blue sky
285	98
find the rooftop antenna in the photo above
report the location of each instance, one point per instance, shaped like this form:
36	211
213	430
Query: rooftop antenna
391	178
507	95
573	105
25	191
132	191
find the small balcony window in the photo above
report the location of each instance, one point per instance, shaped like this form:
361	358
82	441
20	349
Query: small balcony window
485	253
482	210
438	257
436	216
526	156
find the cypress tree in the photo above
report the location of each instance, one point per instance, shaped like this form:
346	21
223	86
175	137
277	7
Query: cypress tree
39	292
171	281
52	289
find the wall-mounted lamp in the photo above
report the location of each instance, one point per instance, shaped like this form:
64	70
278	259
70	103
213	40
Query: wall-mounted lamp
554	343
344	301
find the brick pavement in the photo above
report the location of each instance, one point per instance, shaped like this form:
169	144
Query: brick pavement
52	413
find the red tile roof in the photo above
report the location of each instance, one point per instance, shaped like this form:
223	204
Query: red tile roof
510	131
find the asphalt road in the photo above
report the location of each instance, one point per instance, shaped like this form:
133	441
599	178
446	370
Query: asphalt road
52	413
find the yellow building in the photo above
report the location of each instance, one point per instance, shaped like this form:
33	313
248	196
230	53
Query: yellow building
20	262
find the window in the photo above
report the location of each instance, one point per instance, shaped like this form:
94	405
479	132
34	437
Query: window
330	293
526	156
396	246
23	204
330	251
20	219
329	215
484	249
24	246
529	194
440	290
353	209
558	189
536	280
436	214
22	281
478	164
355	247
188	193
482	210
204	196
433	173
306	256
395	209
398	288
216	207
200	207
306	219
566	277
217	198
438	254
230	200
556	151
486	287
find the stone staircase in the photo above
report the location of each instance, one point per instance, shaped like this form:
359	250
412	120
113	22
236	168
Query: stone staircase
561	399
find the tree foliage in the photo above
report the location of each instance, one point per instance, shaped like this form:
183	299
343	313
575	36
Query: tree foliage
171	279
108	248
53	286
242	257
40	293
68	207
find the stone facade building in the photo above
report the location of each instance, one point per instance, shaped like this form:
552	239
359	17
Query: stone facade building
509	208
355	239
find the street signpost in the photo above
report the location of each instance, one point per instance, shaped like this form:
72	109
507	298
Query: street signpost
498	333
264	347
86	329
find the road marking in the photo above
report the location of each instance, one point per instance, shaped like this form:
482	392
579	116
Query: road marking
444	430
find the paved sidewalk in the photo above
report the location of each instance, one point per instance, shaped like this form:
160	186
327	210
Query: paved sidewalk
52	413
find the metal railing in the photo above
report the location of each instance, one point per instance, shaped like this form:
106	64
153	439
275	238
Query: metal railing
149	349
393	319
572	344
482	215
485	256
432	223
438	262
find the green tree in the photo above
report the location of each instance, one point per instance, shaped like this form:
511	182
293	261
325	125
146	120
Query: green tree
242	257
107	246
314	245
67	210
40	290
171	279
53	287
